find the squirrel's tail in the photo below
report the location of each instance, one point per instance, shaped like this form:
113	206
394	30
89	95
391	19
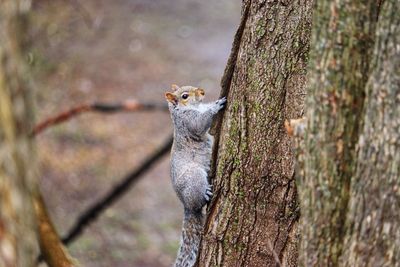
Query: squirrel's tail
190	241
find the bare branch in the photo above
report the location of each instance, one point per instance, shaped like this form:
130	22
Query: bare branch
51	246
128	105
115	193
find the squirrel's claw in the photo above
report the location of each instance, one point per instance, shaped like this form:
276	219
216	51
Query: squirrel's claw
208	195
221	103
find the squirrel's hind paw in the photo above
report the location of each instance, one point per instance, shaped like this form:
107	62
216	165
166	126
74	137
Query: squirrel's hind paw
208	195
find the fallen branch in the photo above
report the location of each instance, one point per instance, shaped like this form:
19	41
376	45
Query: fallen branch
115	193
128	105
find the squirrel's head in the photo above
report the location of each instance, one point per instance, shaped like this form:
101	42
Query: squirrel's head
185	95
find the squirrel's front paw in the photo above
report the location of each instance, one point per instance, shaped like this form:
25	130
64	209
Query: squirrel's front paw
221	103
208	194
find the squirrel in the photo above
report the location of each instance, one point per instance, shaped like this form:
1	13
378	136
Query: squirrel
190	162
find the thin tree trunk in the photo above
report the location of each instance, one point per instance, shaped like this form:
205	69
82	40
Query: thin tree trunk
342	46
18	244
51	247
373	236
254	215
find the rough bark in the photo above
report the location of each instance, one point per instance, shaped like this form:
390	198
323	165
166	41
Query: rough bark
373	236
18	246
342	46
253	218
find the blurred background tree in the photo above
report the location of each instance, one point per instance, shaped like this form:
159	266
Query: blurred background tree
373	220
350	162
340	65
18	244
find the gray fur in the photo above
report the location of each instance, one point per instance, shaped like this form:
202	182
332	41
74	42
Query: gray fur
190	240
190	164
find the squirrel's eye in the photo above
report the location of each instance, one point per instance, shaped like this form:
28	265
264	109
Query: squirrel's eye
185	96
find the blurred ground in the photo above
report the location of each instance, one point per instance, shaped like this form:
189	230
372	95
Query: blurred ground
107	51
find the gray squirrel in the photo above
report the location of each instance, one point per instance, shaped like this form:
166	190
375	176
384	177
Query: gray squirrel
190	162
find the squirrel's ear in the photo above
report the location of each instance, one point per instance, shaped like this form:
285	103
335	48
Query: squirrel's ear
174	87
200	92
171	98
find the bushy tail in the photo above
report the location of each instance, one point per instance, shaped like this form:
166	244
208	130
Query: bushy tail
191	234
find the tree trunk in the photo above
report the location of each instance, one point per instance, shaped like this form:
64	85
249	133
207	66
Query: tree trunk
349	193
52	249
253	219
18	245
373	236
